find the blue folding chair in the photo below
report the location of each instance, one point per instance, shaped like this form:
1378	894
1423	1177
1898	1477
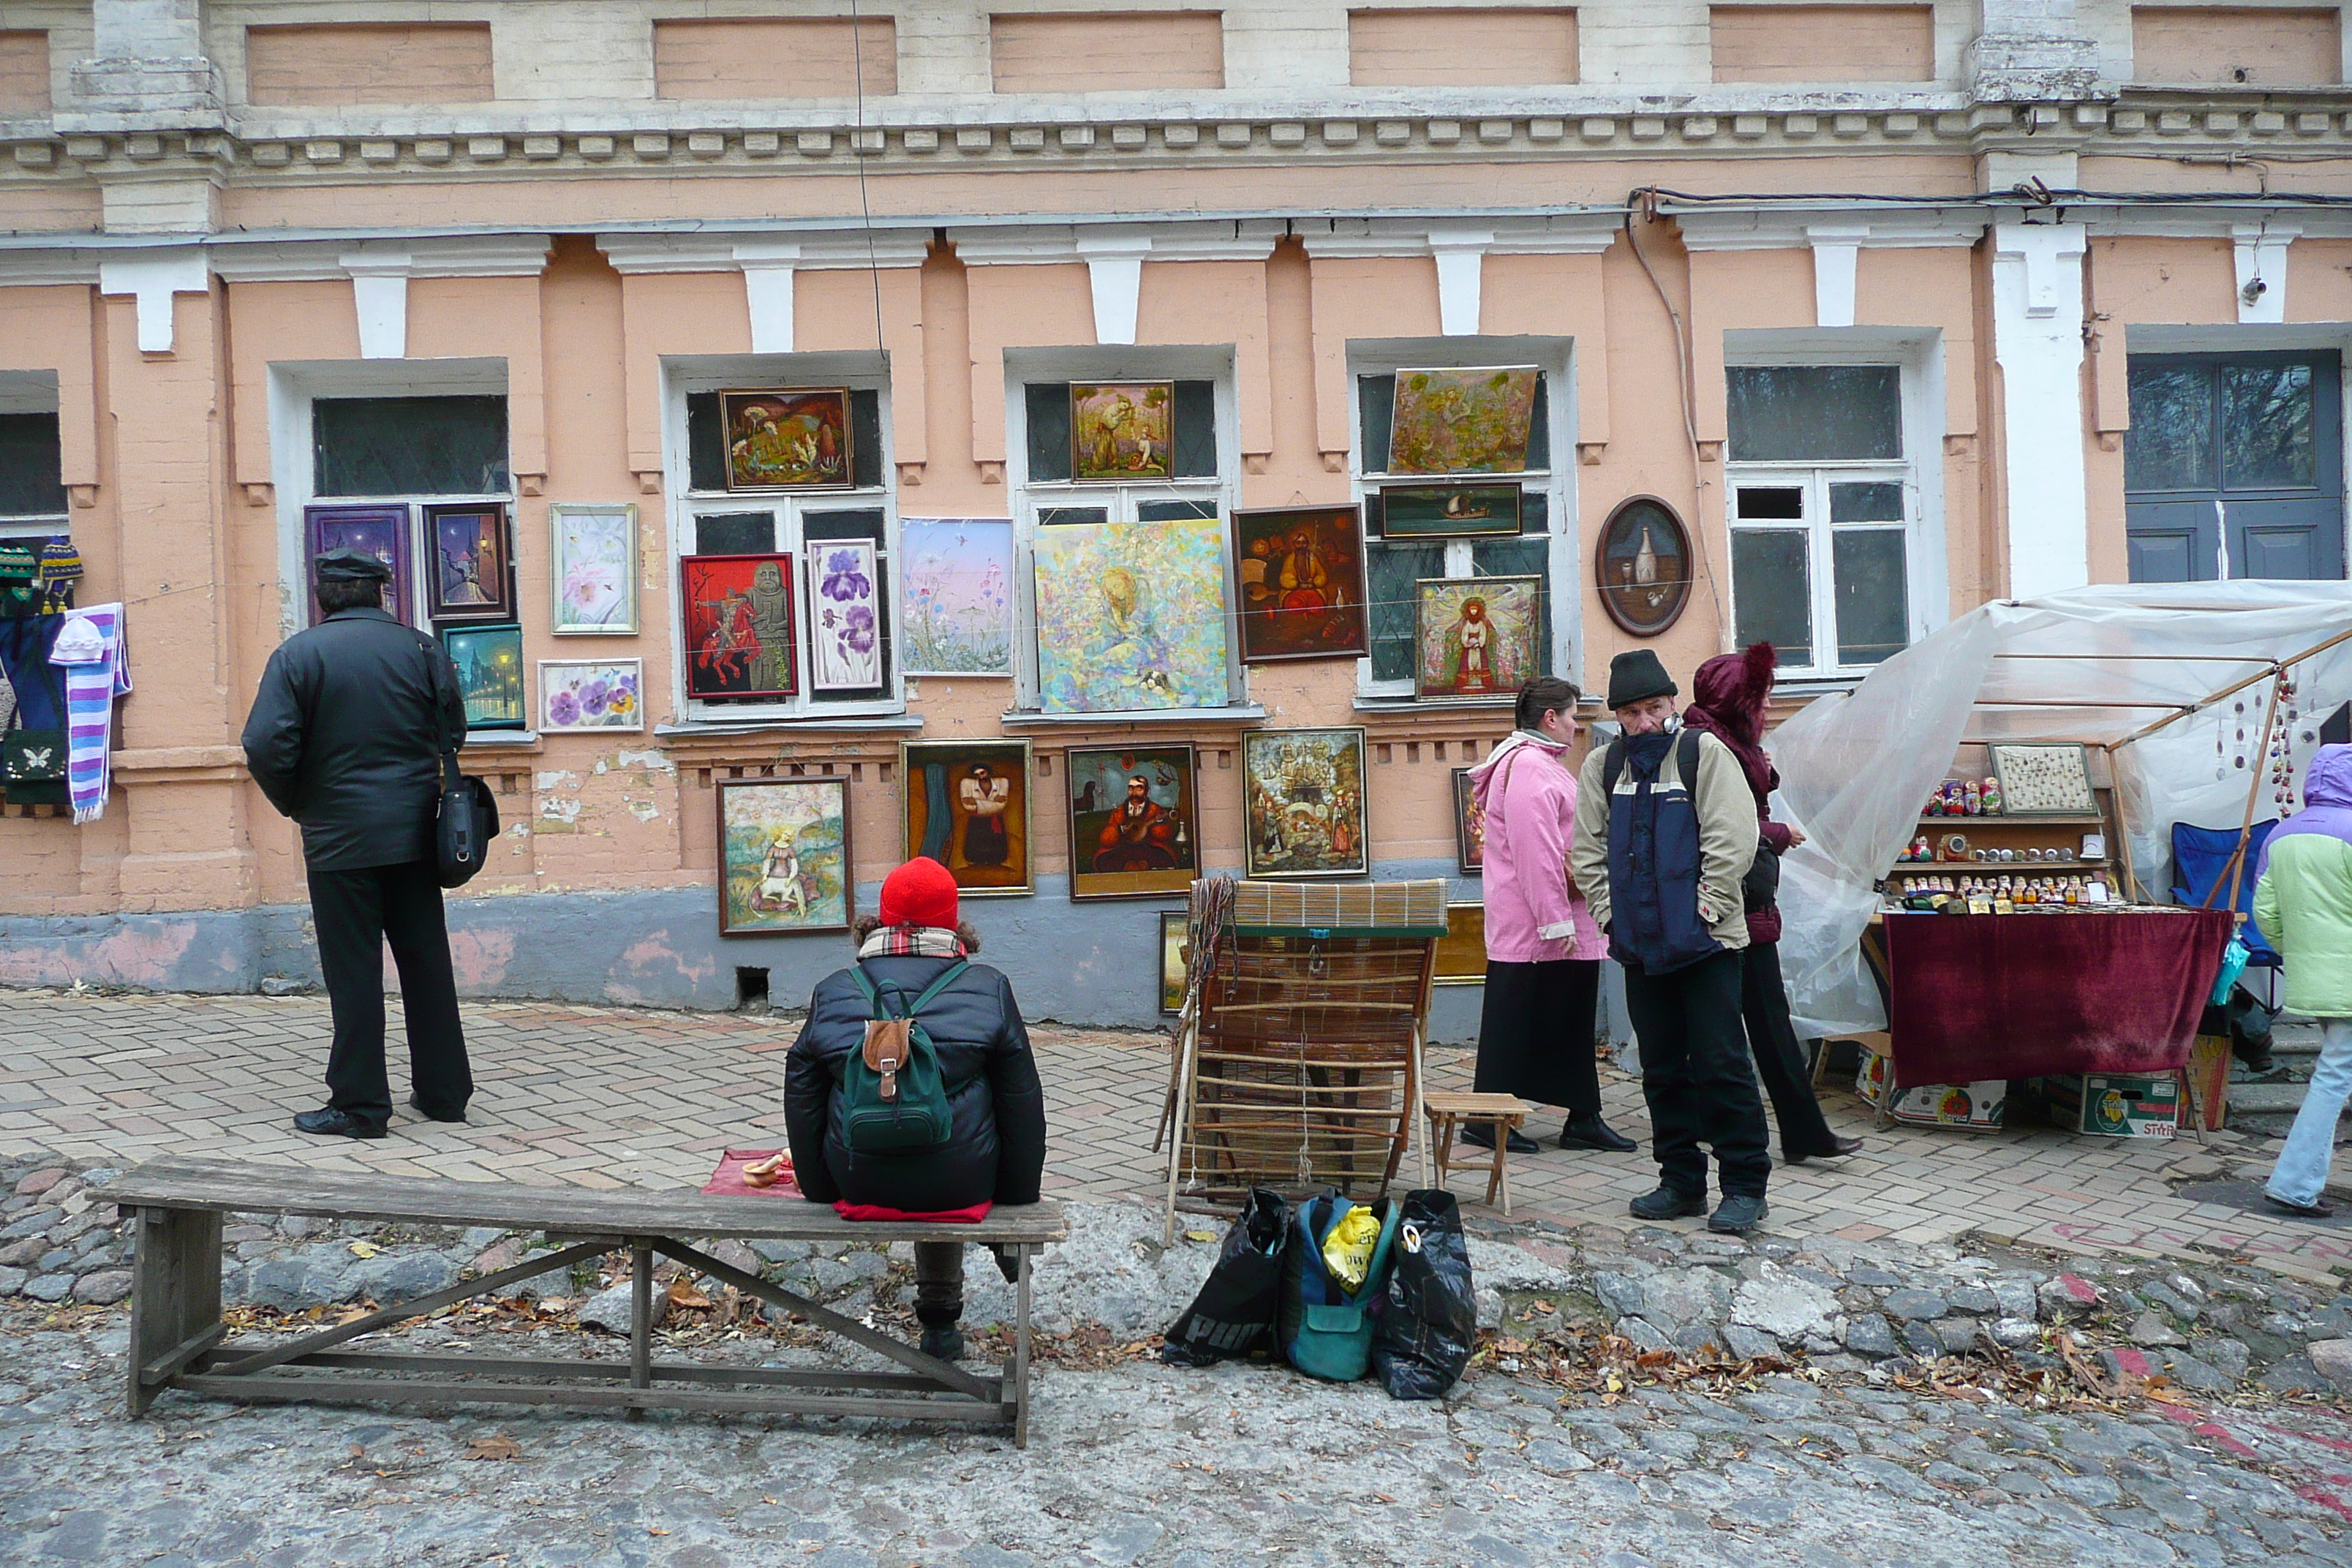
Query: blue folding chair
2200	862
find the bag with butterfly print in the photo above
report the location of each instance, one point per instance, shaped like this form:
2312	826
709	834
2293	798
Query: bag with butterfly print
32	756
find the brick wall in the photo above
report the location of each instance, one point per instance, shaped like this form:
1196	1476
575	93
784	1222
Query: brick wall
775	57
1521	46
337	64
2261	45
23	73
1823	43
1111	52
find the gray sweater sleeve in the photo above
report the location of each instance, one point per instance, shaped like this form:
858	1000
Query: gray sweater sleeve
1588	845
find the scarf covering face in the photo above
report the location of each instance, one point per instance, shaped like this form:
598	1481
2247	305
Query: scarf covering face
1727	695
2326	800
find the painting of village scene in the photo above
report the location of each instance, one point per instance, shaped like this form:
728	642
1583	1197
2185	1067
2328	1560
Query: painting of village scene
1302	581
1462	421
968	807
1122	431
787	439
1303	803
958	572
739	627
784	855
1132	821
1130	616
1479	637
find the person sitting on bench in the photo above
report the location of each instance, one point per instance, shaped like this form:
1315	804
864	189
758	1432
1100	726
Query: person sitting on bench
994	1150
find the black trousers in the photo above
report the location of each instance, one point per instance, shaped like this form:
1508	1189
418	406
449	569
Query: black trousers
1536	1034
355	913
1696	1076
1780	1059
939	1283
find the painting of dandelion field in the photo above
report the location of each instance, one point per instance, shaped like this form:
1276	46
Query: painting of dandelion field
1462	421
784	855
591	694
1131	616
957	574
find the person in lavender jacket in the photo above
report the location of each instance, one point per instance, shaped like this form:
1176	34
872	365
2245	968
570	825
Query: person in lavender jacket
1536	1033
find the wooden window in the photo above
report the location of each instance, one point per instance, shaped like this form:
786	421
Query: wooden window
403	62
1112	51
2262	47
815	56
1823	43
1518	47
23	73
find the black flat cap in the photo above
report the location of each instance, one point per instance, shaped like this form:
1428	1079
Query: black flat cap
352	566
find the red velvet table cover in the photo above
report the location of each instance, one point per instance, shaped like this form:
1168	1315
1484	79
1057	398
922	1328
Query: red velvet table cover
2022	995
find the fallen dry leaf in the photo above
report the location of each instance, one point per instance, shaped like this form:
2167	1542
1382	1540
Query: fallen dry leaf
682	1294
494	1448
1199	1236
364	1249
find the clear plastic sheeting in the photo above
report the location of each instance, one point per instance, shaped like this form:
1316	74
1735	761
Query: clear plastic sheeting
2099	665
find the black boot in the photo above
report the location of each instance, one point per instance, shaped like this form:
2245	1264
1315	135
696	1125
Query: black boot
1482	1133
944	1341
1667	1203
1592	1132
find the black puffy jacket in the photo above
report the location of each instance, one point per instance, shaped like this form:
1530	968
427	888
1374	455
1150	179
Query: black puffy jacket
997	1149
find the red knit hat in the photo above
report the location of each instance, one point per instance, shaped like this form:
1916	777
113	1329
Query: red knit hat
919	894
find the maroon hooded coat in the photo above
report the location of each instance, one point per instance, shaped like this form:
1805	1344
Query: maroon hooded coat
1728	699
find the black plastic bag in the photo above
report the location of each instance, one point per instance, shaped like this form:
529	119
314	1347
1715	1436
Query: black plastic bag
1233	1316
2248	1023
1428	1319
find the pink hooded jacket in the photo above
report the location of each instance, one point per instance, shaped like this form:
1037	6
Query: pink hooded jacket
1528	797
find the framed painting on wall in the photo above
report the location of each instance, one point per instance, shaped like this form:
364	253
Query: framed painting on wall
1175	925
1448	511
967	806
1461	951
737	614
381	530
1130	616
1301	571
784	855
488	661
1469	828
1462	421
1477	636
1642	567
957	576
1133	822
789	438
595	553
1122	430
1303	803
591	694
469	569
844	616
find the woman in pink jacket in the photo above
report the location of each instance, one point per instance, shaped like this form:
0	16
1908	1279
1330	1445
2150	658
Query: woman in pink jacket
1536	1033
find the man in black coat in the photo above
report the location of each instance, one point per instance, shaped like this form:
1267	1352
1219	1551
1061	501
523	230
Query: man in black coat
345	737
996	1149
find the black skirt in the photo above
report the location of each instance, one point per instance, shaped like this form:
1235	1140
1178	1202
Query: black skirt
1536	1034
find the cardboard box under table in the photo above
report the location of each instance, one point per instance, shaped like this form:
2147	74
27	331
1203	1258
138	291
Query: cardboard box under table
1979	1106
2115	1104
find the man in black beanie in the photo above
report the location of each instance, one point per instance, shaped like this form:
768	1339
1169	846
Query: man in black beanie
1665	828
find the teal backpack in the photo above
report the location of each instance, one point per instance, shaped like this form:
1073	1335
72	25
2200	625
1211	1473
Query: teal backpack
1323	1330
894	1098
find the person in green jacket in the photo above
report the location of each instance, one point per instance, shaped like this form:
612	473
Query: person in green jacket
2303	902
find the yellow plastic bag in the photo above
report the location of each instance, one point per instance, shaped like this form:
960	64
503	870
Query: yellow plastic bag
1347	1249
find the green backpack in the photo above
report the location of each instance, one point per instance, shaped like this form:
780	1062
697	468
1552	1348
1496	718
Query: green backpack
894	1097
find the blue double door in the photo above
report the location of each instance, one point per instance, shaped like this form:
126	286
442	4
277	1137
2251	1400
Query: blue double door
2233	467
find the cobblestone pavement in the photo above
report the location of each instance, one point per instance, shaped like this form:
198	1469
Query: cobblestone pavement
606	1097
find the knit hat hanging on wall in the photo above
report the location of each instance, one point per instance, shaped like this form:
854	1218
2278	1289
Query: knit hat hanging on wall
61	568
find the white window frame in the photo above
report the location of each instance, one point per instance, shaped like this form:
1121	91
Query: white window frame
1556	357
1120	498
32	392
294	386
1917	359
683	376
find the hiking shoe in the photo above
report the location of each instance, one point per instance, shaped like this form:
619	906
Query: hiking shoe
946	1343
1668	1204
1738	1215
328	1123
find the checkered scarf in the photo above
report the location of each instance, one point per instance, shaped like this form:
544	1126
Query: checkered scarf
912	942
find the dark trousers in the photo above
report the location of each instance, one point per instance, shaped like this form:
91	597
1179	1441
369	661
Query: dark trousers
1536	1034
939	1283
1696	1076
356	913
1780	1059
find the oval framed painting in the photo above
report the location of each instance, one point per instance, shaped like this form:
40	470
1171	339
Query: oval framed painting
1643	566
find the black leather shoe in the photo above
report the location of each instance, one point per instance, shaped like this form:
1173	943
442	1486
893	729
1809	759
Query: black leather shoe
1594	1133
2301	1211
1668	1204
1838	1150
1738	1215
946	1343
328	1123
1483	1134
418	1106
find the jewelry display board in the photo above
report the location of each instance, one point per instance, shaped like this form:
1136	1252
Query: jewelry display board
2044	779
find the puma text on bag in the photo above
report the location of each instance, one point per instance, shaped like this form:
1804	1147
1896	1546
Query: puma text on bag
894	1097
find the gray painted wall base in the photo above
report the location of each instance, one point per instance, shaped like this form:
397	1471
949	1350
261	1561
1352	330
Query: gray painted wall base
1090	964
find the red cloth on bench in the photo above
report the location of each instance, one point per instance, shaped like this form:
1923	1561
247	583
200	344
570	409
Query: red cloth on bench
972	1216
727	1180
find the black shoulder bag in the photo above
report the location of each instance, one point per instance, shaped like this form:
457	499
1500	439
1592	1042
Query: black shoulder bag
464	813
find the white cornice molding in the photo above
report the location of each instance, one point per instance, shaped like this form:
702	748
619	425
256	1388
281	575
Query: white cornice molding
2215	220
1047	243
1714	228
1553	234
35	268
728	251
440	256
154	278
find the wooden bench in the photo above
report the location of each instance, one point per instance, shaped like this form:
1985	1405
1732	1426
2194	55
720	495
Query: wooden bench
175	1304
1450	1109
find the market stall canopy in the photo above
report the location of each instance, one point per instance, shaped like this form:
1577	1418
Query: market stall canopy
2165	674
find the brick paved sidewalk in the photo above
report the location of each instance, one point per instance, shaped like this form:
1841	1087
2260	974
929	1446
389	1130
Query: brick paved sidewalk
611	1096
